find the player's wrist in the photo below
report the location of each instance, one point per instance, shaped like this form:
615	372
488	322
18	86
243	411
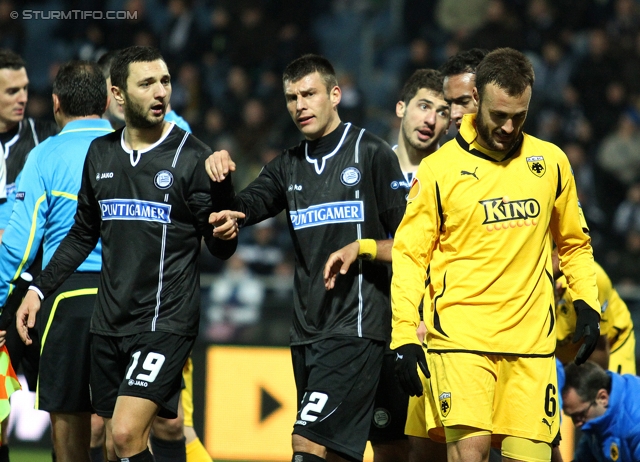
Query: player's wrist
368	249
37	291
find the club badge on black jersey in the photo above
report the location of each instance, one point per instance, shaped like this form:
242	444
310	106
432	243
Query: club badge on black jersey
163	179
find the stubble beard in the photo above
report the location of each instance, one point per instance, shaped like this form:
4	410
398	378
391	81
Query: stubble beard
487	137
136	117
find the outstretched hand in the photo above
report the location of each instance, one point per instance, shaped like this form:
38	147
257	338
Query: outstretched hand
225	224
339	263
26	315
218	165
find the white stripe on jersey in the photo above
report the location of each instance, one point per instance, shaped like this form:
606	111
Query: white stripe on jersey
360	300
33	131
360	275
358	146
175	159
160	273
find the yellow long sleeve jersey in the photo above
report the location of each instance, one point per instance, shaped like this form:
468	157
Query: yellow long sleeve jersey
490	216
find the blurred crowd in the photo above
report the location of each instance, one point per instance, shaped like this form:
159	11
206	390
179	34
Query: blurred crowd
226	59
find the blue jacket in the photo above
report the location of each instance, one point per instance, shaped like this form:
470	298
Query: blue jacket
615	435
46	201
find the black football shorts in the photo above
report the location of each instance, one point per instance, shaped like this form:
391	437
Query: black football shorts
390	407
336	379
146	365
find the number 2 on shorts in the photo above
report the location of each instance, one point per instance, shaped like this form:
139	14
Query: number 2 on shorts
152	363
316	402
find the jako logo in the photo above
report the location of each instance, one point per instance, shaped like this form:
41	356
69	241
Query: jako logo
501	209
137	383
102	176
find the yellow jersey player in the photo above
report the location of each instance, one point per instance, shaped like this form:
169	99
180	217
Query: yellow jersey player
488	201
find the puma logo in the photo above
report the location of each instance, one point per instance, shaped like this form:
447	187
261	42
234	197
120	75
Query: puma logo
473	174
546	422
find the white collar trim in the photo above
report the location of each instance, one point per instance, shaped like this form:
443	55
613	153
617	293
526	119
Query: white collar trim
320	169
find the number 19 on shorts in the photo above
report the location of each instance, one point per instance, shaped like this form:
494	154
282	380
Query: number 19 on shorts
150	368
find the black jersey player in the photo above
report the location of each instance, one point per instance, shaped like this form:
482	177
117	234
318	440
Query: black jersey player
146	194
337	187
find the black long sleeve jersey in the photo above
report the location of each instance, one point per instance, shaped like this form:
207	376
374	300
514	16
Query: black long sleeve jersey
15	146
29	133
337	189
151	209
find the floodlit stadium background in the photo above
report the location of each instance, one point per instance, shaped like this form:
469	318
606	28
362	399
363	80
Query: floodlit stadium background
226	57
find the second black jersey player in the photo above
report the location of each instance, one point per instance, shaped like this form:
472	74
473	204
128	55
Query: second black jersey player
337	187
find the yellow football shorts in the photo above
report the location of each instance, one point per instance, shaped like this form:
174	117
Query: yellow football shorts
422	417
505	395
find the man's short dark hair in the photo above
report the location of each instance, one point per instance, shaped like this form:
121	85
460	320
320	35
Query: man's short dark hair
308	64
81	89
465	62
506	68
105	62
586	380
10	60
430	79
135	54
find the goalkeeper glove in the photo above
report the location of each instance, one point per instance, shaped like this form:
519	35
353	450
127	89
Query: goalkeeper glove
408	357
587	326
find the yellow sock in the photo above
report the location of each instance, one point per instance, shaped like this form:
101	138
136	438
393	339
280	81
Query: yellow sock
197	453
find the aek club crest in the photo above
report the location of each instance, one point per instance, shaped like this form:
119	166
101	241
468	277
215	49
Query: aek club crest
445	403
537	165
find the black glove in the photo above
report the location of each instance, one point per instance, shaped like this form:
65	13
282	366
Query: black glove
407	357
587	326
